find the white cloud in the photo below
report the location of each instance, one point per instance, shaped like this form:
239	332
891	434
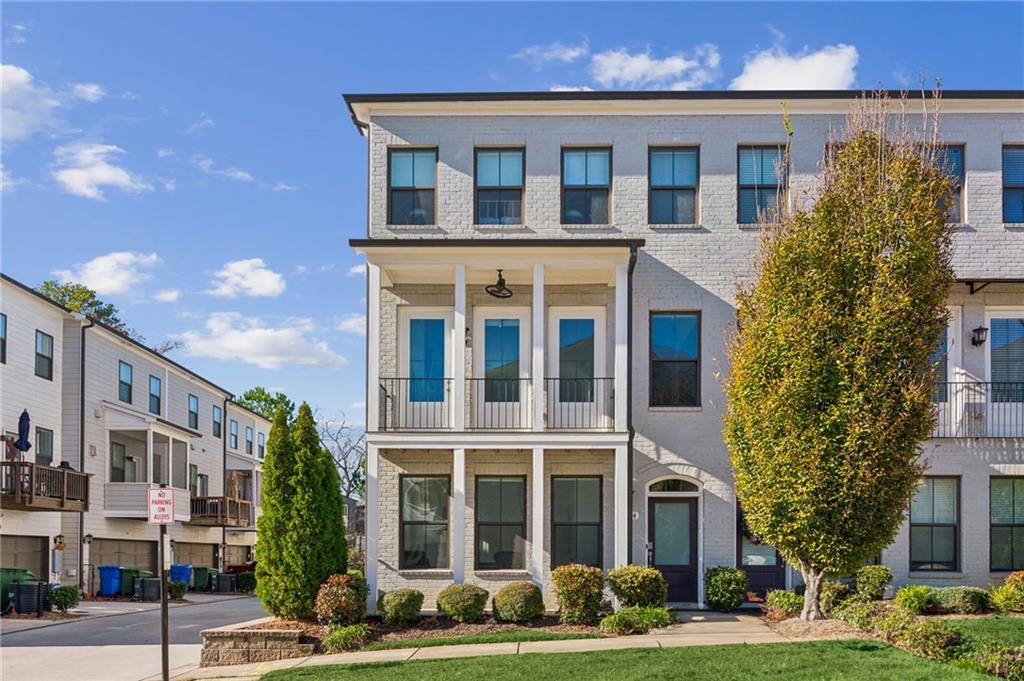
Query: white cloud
247	278
18	31
557	87
164	152
353	323
538	55
9	183
169	184
90	92
167	295
84	168
357	270
283	187
621	68
833	67
205	163
114	273
28	107
230	336
358	406
129	95
203	122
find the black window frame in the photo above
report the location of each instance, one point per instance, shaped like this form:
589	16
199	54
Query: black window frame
958	187
652	362
3	338
261	444
217	421
781	188
122	385
501	523
158	395
651	187
233	434
47	360
124	466
193	414
599	523
607	188
193	480
957	528
521	187
1006	186
414	188
248	439
39	445
1017	524
402	522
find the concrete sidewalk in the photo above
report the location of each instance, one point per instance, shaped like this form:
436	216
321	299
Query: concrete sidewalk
693	629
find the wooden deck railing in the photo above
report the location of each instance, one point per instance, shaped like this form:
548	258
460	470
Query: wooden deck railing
221	512
28	486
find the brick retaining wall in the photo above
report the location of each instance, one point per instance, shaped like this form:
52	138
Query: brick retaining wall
242	644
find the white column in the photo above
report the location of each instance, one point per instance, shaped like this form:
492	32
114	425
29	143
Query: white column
622	488
537	510
537	371
459	515
149	456
373	347
458	396
372	526
621	344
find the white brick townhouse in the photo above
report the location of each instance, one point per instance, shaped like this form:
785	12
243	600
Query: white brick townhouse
109	419
551	277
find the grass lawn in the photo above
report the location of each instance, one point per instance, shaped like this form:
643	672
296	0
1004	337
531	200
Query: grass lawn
1004	629
494	637
830	660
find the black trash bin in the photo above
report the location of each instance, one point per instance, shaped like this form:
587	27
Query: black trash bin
224	583
147	588
30	597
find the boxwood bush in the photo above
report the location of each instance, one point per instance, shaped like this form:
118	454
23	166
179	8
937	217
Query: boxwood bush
176	589
462	602
638	585
580	591
857	613
400	606
1007	599
931	638
870	582
914	598
892	625
780	604
636	620
64	598
245	581
348	637
833	594
961	600
725	588
341	600
518	602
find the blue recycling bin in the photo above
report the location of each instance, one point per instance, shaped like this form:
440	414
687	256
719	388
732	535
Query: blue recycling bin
181	573
110	580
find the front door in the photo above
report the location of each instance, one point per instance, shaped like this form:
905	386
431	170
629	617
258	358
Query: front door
764	566
672	545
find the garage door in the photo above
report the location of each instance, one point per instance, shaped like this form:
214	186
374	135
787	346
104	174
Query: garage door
140	555
237	555
196	555
27	553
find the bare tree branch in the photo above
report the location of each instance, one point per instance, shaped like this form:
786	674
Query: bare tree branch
348	449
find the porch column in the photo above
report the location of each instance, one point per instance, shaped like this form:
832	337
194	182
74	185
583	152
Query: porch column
458	396
622	487
372	529
621	344
150	477
537	370
373	347
459	515
537	554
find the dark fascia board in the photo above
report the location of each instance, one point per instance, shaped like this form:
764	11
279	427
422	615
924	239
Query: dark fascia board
242	407
116	332
505	243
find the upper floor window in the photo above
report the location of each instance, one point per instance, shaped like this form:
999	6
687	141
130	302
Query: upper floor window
261	444
761	181
586	185
935	525
193	411
44	446
155	393
952	159
248	440
3	339
217	420
44	355
1006	533
939	359
499	186
1013	183
233	434
412	178
124	382
675	359
673	186
1006	359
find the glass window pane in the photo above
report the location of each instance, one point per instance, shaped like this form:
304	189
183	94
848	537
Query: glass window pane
661	168
488	545
662	207
921	506
588	500
756	553
1017	562
513	548
944	547
1013	205
685	167
563	545
563	500
771	166
920	547
747	206
1001	548
424	168
945	500
1007	356
1013	165
425	546
597	200
674	384
588	545
673	485
575	207
674	335
574	167
425	499
488	165
576	348
671	533
426	359
685	203
488	499
1001	504
597	167
512	496
511	168
1018	501
401	168
768	201
749	166
951	158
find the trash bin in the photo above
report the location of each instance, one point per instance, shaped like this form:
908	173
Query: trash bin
30	597
110	580
181	573
128	577
9	576
201	578
224	583
147	588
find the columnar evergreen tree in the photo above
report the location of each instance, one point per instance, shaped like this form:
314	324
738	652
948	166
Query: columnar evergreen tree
830	385
272	525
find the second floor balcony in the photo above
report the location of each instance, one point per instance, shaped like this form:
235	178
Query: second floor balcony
220	511
976	409
28	486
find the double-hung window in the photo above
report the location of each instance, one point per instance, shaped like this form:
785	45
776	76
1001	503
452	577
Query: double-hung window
500	522
44	355
424	521
121	469
673	186
761	181
233	434
499	186
1006	363
412	178
935	525
193	411
155	394
576	520
1013	184
248	440
1006	532
261	444
586	185
193	480
675	359
951	157
3	338
218	417
124	382
44	446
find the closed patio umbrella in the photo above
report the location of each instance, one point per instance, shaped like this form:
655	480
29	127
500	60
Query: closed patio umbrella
24	428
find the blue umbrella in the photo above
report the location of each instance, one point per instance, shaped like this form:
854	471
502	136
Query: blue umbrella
24	428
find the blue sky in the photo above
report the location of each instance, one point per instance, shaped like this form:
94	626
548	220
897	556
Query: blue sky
195	163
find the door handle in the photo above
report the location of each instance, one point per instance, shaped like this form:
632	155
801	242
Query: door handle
650	553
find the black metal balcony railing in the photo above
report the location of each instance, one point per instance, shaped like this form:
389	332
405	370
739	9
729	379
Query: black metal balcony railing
975	409
415	403
580	403
499	403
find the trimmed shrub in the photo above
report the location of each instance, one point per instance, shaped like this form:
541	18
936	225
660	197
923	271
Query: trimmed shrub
857	613
176	589
780	604
995	659
636	620
931	638
341	600
1015	580
580	591
832	595
462	602
962	600
64	598
914	598
638	585
348	637
894	623
518	602
725	588
870	582
1006	598
245	581
400	606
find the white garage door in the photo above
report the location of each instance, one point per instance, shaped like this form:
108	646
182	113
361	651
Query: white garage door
27	553
196	555
140	555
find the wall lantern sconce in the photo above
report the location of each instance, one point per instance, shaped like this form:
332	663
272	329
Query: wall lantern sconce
58	542
979	336
498	288
87	539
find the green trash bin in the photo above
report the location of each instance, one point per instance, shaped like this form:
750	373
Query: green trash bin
9	576
201	578
128	577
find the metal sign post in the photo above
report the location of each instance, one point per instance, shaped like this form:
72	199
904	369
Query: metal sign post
161	512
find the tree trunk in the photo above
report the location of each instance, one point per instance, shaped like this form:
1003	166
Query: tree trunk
812	584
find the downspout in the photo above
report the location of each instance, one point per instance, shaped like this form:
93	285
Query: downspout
81	447
224	482
629	392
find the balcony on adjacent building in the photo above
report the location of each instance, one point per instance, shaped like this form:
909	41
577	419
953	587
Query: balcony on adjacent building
28	486
973	409
220	512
